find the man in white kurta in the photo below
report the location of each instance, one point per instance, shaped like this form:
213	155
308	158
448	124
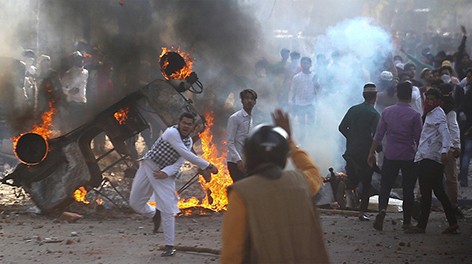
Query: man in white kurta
74	88
156	175
74	81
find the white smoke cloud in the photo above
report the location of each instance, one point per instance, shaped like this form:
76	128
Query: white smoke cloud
362	47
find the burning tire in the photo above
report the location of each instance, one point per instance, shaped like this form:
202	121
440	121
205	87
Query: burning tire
31	148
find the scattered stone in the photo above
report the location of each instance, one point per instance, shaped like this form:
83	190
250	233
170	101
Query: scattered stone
70	217
51	240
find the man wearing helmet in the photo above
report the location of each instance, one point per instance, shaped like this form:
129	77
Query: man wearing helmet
272	209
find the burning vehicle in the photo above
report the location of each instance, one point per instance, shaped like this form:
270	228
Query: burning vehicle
52	168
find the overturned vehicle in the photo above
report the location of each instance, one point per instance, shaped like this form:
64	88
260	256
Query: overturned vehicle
52	169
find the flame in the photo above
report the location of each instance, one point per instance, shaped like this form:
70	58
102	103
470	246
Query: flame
184	72
216	188
43	129
79	195
121	115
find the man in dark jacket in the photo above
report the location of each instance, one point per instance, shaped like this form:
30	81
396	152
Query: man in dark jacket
358	127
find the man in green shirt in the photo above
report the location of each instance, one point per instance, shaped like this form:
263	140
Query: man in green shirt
358	127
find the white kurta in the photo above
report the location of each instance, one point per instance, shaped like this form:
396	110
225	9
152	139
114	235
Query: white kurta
145	185
74	85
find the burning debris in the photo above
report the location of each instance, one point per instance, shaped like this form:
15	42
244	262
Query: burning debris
122	115
177	66
333	192
57	170
79	195
215	190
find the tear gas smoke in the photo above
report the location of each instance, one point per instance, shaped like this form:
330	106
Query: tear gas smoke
363	48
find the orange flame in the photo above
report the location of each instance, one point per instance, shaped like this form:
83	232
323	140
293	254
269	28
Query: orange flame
216	188
184	72
121	115
44	129
79	195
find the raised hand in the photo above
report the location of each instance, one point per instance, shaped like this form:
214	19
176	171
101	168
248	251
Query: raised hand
282	120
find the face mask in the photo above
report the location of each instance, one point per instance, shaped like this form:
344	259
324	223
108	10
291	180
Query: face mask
446	78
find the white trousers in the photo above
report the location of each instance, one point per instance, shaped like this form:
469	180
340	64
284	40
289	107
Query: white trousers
168	227
144	185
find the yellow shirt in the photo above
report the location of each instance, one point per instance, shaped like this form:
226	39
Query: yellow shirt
235	225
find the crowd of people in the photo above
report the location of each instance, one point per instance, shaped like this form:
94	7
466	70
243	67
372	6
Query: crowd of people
416	118
417	126
420	127
83	81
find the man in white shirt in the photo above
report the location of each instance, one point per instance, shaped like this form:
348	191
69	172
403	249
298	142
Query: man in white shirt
302	95
416	100
156	175
435	142
30	89
74	81
239	125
